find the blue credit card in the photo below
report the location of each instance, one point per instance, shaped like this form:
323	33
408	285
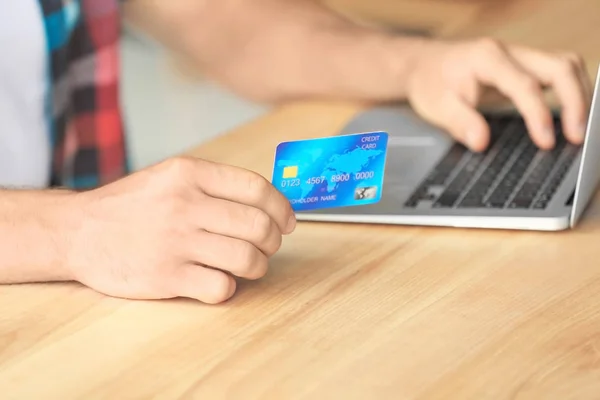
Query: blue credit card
337	171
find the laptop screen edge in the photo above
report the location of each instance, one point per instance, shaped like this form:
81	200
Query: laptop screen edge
589	166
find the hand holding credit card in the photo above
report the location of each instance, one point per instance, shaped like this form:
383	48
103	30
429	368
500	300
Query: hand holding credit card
337	171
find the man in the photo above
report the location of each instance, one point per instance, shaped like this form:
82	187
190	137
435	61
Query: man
185	227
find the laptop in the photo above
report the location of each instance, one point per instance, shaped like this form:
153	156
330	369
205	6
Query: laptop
431	180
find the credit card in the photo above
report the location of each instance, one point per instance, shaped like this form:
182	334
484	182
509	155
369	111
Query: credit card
337	171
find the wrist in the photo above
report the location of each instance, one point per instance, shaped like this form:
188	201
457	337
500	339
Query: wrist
351	63
36	228
400	55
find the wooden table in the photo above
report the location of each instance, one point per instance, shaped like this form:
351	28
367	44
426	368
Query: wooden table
346	311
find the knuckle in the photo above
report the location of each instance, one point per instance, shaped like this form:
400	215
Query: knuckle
261	225
260	268
489	46
273	245
257	186
568	64
530	86
246	256
574	59
250	261
220	289
177	171
179	164
277	244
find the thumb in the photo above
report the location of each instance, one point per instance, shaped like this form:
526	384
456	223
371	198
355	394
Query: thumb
464	123
201	283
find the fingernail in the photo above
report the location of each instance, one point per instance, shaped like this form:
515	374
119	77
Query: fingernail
291	224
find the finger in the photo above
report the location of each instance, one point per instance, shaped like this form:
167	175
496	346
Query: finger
246	187
204	284
463	122
496	68
228	254
235	220
585	79
567	76
588	84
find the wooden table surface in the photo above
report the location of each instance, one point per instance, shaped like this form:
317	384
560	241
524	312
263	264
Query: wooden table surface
346	311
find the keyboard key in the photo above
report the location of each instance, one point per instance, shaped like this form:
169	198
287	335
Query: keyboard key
451	195
446	165
481	172
556	179
439	175
509	182
447	200
477	194
520	202
537	177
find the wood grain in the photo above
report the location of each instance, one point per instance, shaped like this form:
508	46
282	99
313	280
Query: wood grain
346	311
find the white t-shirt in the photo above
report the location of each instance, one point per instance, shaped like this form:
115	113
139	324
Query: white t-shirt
25	153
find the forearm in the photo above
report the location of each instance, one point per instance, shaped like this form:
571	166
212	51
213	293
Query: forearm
281	49
34	231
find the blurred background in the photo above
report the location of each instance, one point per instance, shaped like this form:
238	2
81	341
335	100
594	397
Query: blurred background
170	107
168	112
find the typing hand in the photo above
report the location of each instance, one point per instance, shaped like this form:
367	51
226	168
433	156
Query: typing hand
447	81
181	228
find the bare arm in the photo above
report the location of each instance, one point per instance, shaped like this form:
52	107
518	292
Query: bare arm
272	50
178	228
283	49
34	231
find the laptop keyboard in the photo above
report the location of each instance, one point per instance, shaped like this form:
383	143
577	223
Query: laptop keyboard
511	173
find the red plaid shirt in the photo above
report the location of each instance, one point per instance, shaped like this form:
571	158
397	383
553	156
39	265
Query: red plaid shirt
83	109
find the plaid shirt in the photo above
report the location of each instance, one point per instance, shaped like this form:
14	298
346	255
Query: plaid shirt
83	109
